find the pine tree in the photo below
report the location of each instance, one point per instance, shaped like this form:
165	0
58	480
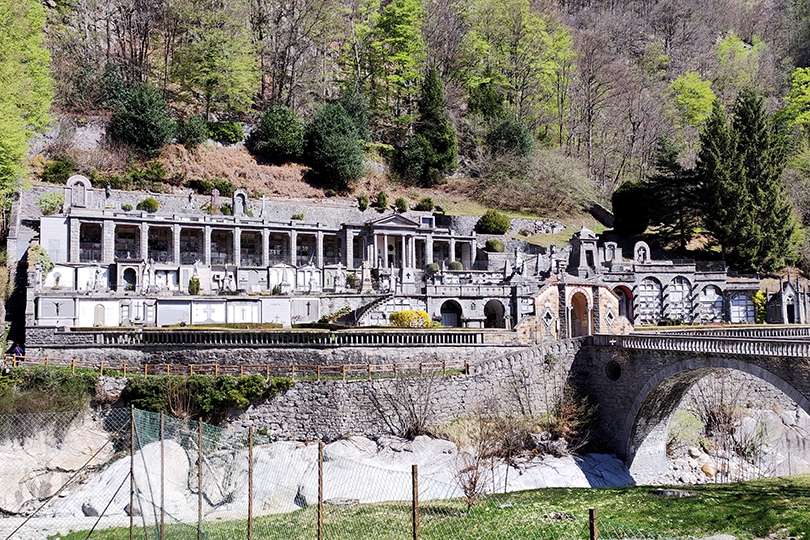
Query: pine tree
742	197
279	135
673	191
143	120
433	129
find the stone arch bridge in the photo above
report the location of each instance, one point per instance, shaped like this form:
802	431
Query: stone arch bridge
638	380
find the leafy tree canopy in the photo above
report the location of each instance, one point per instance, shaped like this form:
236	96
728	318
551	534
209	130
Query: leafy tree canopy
279	135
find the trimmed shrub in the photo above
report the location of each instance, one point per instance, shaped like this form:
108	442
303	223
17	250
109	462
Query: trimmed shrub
226	132
425	205
279	136
126	207
143	121
226	209
493	245
362	202
194	286
401	205
50	203
58	171
510	135
193	132
331	148
149	204
205	187
455	266
432	268
410	319
493	222
299	217
382	202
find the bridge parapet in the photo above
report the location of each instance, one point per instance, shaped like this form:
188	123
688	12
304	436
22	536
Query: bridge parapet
716	345
758	331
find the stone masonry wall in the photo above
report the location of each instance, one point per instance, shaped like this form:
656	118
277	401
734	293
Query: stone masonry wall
526	382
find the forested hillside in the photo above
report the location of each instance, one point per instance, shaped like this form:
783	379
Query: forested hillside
548	105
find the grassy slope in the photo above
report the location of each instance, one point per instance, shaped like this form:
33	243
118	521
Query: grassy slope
777	507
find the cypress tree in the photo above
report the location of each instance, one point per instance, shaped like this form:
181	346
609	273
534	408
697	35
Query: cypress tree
433	129
743	203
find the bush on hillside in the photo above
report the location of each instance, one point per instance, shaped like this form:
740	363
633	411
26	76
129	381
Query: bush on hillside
50	203
401	205
510	136
142	121
331	148
362	202
493	222
193	132
425	205
226	132
58	171
279	136
382	202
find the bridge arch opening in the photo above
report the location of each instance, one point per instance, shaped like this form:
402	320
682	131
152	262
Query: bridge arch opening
647	424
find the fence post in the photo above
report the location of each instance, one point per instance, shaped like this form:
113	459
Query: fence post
124	368
162	482
73	366
368	366
216	370
593	525
415	477
101	369
241	370
444	367
145	369
320	491
46	362
199	478
344	372
318	370
191	369
292	371
250	484
131	470
267	372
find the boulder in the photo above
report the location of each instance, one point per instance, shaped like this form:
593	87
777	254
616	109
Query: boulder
709	469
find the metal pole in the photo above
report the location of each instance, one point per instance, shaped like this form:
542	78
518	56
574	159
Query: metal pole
199	478
250	484
593	525
415	475
320	491
131	471
162	482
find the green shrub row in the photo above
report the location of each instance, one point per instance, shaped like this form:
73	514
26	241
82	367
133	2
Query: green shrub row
39	390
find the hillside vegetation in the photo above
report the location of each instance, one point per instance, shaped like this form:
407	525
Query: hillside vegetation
545	106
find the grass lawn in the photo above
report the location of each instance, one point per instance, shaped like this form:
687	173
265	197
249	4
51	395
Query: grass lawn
778	507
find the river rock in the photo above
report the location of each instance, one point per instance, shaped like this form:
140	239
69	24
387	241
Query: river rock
709	469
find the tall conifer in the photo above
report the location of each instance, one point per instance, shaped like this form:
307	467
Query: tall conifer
434	132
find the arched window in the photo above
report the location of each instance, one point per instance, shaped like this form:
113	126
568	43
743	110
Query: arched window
494	315
451	314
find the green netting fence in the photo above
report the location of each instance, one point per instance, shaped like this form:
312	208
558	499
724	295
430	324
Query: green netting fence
127	474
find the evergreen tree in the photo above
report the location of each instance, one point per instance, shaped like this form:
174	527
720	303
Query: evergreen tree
437	137
743	203
356	107
143	121
672	190
279	135
331	148
510	135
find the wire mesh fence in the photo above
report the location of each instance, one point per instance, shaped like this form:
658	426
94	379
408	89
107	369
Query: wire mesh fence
128	474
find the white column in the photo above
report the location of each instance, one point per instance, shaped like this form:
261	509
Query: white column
404	252
385	251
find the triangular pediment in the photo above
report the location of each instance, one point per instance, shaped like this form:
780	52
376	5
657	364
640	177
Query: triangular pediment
394	220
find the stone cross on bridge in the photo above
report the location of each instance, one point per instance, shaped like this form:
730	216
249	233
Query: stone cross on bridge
638	380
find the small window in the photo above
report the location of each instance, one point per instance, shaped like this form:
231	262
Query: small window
427	222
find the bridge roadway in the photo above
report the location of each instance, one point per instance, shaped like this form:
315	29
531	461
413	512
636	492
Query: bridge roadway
639	380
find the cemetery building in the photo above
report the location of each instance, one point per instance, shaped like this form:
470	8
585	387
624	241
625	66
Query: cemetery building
289	262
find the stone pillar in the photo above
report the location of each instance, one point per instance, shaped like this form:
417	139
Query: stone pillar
75	235
385	251
319	249
207	245
375	251
108	241
452	246
237	246
144	231
349	250
265	248
294	248
404	252
176	243
428	249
